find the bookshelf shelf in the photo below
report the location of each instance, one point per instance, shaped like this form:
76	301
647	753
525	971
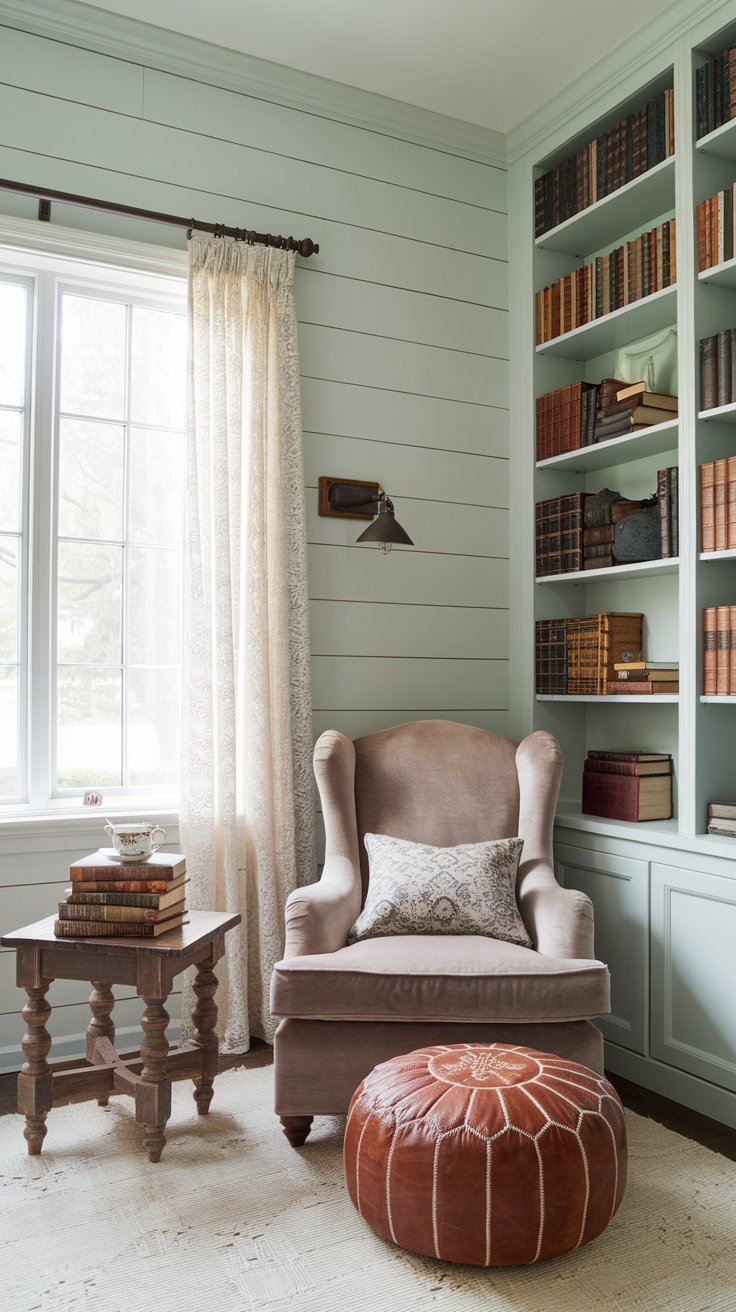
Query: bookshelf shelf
722	141
722	414
616	329
728	554
641	570
720	275
719	700
618	450
659	698
644	197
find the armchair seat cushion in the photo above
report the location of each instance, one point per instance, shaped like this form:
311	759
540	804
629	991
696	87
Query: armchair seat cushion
424	977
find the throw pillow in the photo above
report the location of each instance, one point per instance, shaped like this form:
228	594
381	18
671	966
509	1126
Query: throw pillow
418	889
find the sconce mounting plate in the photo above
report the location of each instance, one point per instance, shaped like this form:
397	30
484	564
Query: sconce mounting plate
325	508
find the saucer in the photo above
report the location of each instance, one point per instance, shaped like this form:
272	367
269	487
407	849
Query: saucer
112	855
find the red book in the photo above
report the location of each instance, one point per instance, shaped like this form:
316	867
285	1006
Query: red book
628	767
627	797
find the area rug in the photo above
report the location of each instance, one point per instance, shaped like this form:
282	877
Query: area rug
232	1220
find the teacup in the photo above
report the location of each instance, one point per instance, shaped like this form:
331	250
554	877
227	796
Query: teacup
136	839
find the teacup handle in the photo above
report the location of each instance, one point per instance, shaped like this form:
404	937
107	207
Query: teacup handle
109	830
156	845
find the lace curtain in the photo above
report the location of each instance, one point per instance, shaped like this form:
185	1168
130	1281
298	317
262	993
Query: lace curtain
247	811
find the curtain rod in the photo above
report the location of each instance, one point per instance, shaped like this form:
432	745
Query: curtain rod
304	246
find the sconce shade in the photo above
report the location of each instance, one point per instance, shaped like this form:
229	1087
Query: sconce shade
385	528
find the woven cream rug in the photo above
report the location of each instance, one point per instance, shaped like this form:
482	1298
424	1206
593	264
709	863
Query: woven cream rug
233	1219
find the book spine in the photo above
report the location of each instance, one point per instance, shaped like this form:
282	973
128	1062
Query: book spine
613	767
636	688
121	886
723	650
664	518
612	796
618	756
126	872
709	651
732	652
674	509
148	901
707	507
719	497
721	811
723	386
100	929
124	915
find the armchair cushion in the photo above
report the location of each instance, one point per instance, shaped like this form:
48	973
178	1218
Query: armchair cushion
454	978
418	889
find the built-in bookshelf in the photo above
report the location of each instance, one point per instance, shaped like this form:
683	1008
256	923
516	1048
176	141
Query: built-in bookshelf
672	592
663	891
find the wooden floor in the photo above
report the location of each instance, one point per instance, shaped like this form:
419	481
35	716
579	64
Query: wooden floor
719	1138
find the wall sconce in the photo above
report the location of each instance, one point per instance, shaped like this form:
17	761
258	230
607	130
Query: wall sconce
346	498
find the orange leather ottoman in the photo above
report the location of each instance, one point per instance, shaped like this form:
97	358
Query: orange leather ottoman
485	1154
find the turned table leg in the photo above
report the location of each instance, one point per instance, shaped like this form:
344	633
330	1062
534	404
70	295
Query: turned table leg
101	1026
296	1129
35	1097
153	1093
204	1019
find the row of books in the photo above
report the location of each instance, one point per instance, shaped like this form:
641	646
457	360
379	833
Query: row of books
585	531
628	785
722	818
718	504
719	651
714	228
583	414
715	92
632	146
579	655
631	271
718	369
114	899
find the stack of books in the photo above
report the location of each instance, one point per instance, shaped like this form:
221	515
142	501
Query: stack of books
718	369
638	268
722	818
633	145
565	419
628	785
630	409
112	898
645	678
714	228
719	651
718	505
715	92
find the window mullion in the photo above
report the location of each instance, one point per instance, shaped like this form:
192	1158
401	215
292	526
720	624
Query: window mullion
42	628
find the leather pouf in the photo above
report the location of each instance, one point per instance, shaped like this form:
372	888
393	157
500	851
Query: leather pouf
491	1155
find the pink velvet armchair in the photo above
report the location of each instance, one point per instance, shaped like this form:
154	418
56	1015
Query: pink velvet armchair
342	1008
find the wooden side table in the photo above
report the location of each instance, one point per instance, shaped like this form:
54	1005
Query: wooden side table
151	965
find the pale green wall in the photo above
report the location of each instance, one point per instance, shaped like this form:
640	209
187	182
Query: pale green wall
403	345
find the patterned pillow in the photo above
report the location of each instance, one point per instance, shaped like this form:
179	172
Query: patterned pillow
417	889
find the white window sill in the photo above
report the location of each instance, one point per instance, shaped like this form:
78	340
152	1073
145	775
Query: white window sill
41	830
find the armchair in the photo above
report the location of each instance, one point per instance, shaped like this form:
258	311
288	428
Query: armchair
342	1008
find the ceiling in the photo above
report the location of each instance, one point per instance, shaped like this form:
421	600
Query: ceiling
490	62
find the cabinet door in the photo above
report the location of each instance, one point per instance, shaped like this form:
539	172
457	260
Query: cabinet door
694	972
618	889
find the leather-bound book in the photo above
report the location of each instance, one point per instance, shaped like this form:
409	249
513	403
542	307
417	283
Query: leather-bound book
661	766
731	501
723	650
732	653
720	478
723	348
664	516
710	625
596	536
707	507
627	797
709	373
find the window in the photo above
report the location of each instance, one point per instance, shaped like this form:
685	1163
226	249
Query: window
92	392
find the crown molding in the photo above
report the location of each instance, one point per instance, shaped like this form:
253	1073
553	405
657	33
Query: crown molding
172	52
630	57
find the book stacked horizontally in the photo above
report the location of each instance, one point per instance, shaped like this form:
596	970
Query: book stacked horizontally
630	409
628	785
722	819
647	678
111	898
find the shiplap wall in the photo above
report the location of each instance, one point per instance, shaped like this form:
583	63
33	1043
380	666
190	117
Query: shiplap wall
403	342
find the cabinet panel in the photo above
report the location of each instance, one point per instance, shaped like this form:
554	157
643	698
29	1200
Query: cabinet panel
618	889
694	972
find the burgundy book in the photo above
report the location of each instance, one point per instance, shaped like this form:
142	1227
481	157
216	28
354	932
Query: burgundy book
628	767
627	797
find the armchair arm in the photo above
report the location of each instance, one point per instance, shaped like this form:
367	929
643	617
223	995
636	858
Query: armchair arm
319	915
559	920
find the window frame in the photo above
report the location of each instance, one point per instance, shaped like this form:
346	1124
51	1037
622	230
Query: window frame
51	261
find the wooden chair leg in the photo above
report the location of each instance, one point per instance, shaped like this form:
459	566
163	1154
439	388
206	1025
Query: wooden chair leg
296	1129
